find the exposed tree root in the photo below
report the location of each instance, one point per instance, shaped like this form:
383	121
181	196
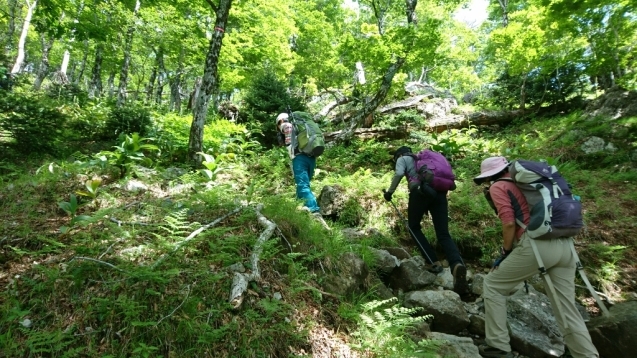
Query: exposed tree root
241	280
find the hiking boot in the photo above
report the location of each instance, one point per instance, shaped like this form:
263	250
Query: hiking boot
489	352
460	285
435	268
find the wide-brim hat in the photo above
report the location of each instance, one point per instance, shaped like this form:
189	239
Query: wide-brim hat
490	167
281	117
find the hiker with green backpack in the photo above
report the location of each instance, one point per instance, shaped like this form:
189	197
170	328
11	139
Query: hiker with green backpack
304	141
539	216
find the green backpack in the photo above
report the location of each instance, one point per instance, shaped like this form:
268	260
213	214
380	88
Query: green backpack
307	134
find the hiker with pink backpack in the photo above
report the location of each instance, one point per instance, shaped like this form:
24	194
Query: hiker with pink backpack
429	178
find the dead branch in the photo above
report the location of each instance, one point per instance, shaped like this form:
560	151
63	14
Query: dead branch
176	308
193	235
120	223
240	281
96	260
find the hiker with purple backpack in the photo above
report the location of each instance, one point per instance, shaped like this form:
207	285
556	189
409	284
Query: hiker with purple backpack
539	216
428	186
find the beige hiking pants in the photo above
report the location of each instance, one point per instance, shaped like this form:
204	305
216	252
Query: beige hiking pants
520	265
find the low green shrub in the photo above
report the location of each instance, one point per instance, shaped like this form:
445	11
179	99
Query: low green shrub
127	119
34	124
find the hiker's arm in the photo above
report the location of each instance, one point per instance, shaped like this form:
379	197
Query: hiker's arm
401	167
286	129
508	235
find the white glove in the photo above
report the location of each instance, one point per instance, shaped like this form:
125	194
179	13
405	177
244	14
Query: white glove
290	151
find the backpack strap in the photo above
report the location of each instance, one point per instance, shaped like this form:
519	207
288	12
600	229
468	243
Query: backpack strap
549	282
580	269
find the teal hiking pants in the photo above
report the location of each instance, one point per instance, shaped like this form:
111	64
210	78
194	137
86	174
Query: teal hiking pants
303	168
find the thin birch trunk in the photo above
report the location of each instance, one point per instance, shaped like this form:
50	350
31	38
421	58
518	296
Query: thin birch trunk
43	69
210	82
23	37
128	45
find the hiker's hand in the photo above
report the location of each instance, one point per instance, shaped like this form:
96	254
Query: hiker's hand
503	255
387	195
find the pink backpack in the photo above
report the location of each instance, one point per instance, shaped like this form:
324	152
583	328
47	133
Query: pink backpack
432	168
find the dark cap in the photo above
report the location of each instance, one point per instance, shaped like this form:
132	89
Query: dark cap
400	151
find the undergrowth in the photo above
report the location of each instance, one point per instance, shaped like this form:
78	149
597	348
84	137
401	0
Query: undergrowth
131	279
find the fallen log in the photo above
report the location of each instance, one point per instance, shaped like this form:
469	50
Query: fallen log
369	133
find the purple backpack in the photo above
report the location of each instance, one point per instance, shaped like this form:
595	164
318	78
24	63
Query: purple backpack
432	168
555	212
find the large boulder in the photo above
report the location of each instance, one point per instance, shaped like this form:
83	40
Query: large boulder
615	103
457	347
532	326
385	262
449	315
616	335
351	278
411	275
331	200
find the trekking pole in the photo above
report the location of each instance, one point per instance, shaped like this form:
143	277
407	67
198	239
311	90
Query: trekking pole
410	231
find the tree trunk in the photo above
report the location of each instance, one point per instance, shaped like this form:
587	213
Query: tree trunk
23	37
110	83
175	85
95	86
504	5
128	46
161	75
359	117
60	77
210	82
14	9
77	79
43	70
151	84
523	93
412	18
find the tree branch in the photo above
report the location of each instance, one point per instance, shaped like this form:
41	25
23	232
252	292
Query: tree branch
176	308
212	5
98	261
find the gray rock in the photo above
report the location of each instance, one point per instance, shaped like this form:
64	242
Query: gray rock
449	315
445	279
478	283
401	253
457	347
477	325
593	145
419	331
380	289
332	199
277	296
411	275
352	276
135	185
616	335
532	326
385	262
